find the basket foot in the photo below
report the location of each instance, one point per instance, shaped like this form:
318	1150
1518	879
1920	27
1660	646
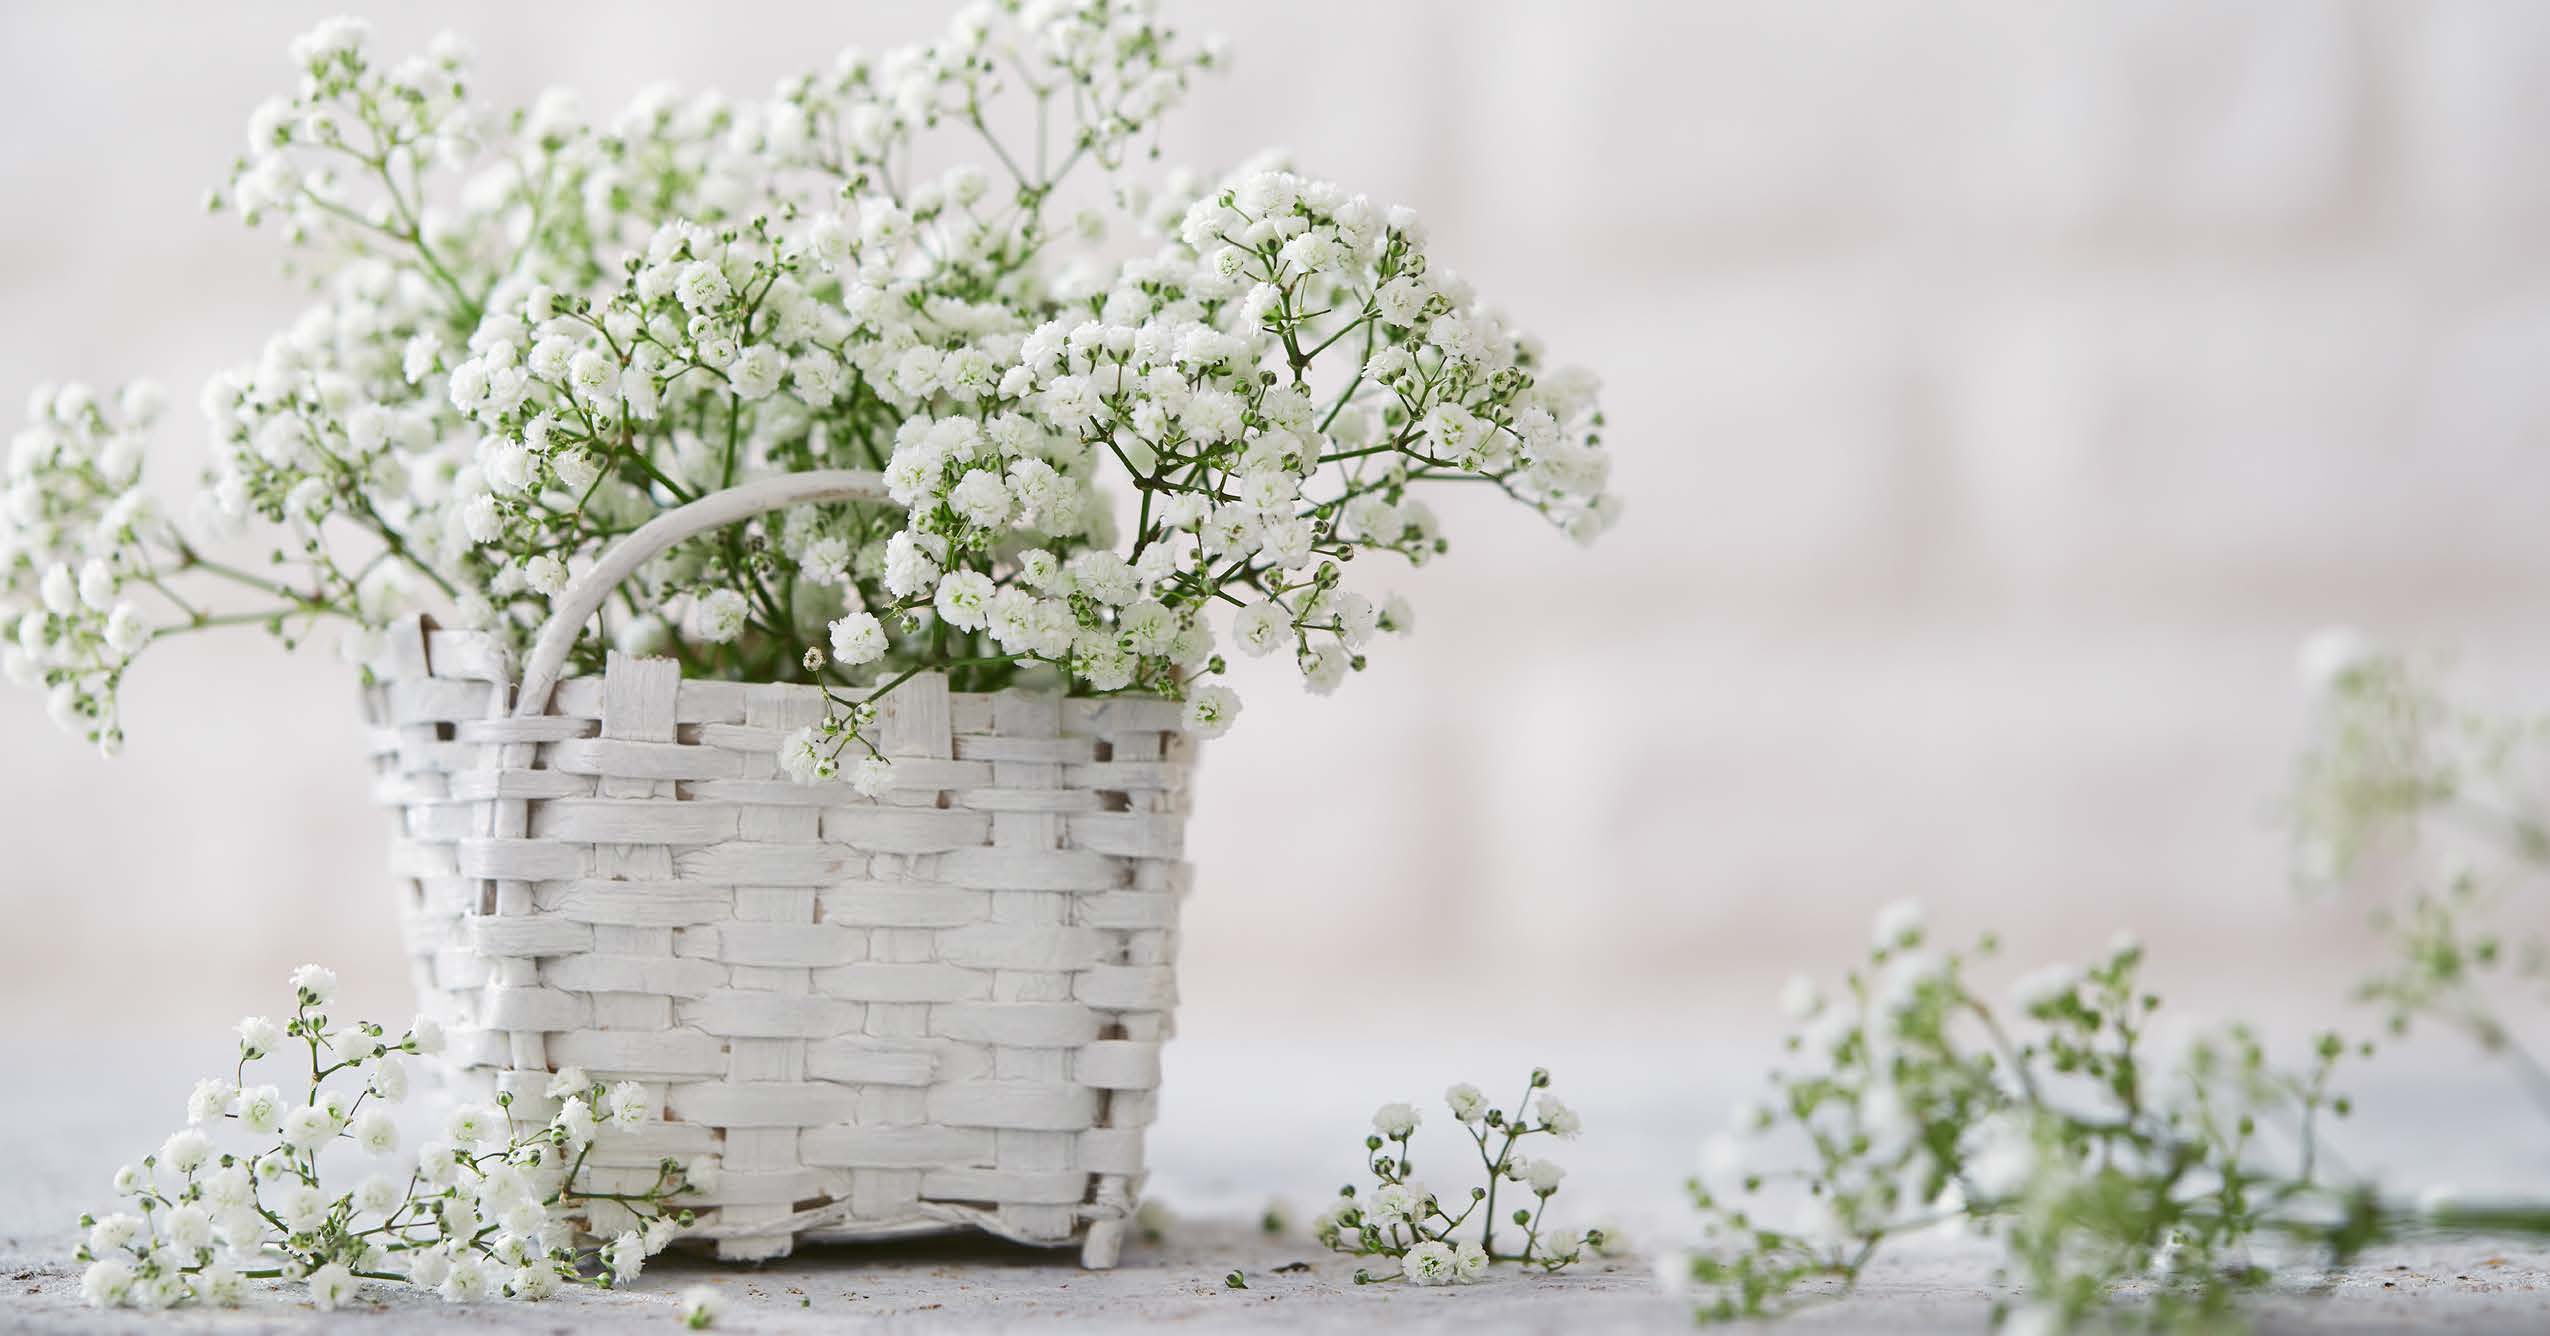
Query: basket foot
756	1247
1098	1250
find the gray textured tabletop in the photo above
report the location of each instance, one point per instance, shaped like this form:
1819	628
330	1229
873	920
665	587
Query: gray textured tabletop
1224	1148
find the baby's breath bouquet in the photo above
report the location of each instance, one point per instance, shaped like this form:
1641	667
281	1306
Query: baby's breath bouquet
1123	420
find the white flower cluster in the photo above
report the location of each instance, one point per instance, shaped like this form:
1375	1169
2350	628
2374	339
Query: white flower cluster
533	332
494	1207
81	539
2426	807
1401	1219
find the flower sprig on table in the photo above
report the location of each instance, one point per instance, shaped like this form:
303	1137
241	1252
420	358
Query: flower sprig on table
534	331
1402	1219
2430	808
495	1207
1919	1106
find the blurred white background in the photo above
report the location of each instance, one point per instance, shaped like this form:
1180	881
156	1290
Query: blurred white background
2000	392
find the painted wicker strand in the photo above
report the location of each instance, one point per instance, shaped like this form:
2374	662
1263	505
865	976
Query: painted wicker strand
942	1007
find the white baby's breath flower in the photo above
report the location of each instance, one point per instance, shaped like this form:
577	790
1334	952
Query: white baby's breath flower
426	1267
351	1046
1260	628
228	1187
218	1285
1396	1120
1432	1262
474	1124
576	1123
185	1151
113	1231
60	590
108	1283
464	1280
809	756
1393	1203
1468	1103
482	522
722	615
1801	998
857	638
594	377
261	1110
1211	710
872	776
388	1077
1323	667
300	1206
756	373
376	1132
259	1036
982	498
1904	979
576	470
1900	924
308	1128
2330	656
701	285
626	1257
1885	1118
964	599
378	1194
701	1307
126	632
2002	1159
1397	617
459	1218
209	1100
910	567
545	575
315	984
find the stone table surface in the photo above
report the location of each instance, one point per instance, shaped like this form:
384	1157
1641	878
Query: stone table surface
1241	1129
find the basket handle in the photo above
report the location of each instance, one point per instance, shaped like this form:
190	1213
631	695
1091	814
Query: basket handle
585	597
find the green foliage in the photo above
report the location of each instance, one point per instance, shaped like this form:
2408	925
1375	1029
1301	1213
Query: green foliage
2045	1125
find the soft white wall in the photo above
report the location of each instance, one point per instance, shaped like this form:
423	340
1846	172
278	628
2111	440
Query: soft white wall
2000	391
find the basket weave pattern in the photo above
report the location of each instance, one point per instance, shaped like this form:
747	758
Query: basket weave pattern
941	1007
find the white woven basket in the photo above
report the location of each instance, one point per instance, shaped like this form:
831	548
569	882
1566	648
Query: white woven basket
940	1008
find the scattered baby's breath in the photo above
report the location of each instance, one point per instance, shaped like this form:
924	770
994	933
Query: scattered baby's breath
1400	1218
499	1204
